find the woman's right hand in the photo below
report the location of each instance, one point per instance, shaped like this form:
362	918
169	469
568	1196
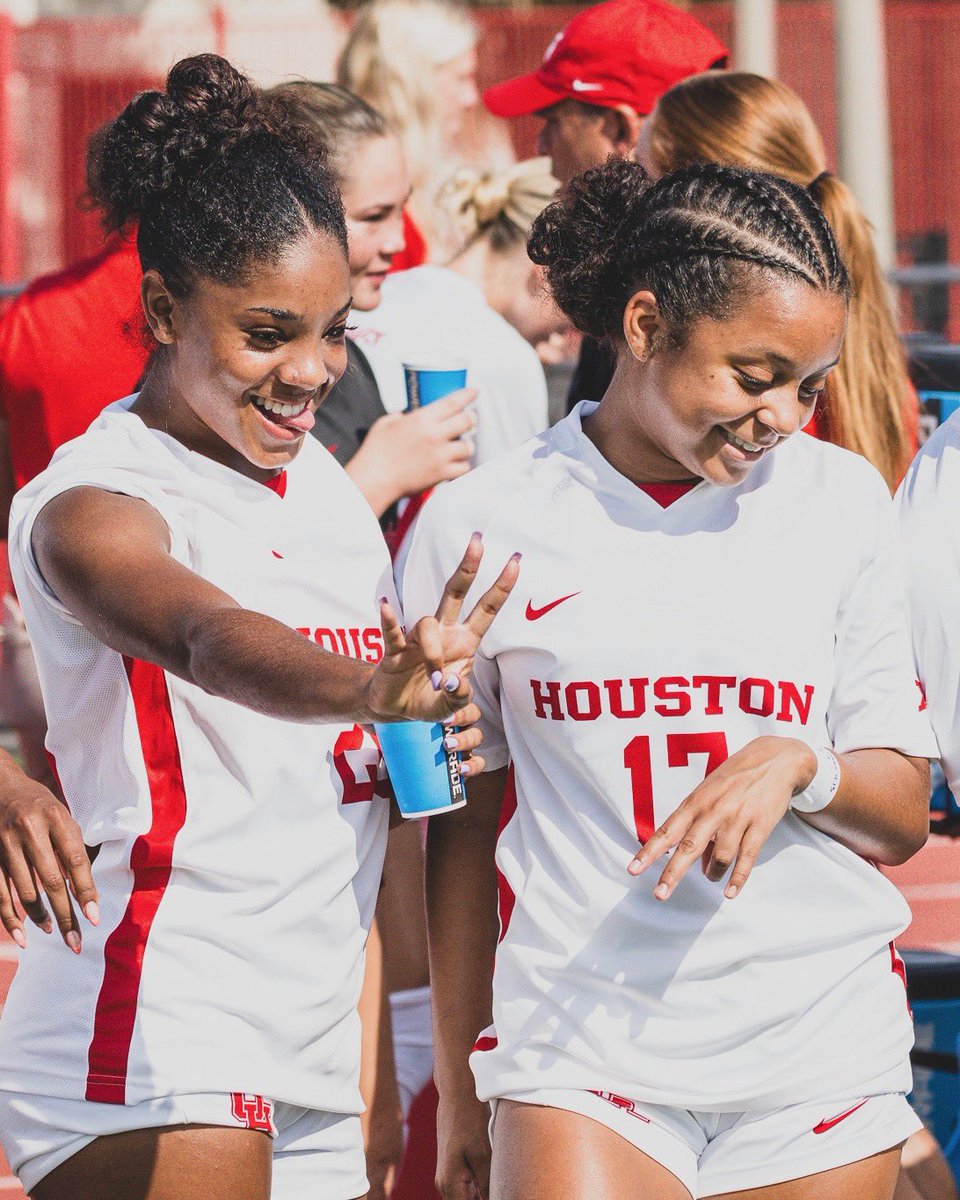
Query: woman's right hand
424	672
463	1146
406	453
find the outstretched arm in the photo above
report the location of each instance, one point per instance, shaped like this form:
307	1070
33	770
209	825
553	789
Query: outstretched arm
106	557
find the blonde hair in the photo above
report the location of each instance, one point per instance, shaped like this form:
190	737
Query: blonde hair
746	120
389	60
498	205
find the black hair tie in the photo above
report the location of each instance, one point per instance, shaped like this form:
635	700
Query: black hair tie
815	183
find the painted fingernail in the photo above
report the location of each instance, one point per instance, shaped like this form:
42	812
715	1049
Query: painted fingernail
384	600
465	769
451	683
47	926
450	741
19	938
436	679
476	536
516	556
451	720
73	941
661	891
92	912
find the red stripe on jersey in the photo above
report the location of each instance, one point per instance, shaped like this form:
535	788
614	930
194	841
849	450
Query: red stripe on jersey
506	896
150	861
485	1043
898	967
56	774
395	537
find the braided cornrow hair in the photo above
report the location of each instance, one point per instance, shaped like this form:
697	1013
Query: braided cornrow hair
689	238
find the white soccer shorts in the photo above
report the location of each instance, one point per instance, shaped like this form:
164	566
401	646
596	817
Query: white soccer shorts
712	1153
314	1153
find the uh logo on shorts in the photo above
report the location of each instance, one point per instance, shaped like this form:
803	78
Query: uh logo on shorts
252	1112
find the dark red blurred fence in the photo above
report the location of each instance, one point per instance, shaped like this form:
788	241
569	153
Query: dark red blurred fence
60	79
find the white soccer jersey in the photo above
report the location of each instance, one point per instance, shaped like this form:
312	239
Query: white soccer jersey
432	313
239	855
641	646
928	502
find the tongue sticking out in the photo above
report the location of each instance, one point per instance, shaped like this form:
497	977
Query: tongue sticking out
301	423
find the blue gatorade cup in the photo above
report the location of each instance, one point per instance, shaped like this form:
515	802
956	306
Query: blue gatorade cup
425	775
427	382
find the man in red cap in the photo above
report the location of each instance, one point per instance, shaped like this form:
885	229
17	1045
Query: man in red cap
601	75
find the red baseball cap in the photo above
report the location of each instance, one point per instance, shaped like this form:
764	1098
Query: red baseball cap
621	52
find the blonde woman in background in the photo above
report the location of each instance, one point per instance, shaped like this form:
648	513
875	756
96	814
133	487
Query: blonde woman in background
746	120
415	61
487	308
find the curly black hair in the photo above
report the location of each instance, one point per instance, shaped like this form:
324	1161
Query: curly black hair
215	175
689	237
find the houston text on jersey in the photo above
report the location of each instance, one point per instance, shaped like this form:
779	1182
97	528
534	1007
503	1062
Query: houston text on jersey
365	644
671	696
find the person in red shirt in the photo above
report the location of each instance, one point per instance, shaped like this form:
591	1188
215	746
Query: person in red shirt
69	345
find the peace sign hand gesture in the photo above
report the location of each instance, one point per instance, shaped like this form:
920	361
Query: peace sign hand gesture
424	673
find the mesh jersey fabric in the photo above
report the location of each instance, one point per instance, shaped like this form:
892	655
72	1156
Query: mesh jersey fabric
636	652
239	854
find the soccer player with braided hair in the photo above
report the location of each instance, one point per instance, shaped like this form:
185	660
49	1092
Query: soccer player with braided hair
208	595
701	712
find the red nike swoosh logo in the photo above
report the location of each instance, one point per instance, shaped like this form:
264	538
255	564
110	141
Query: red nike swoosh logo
534	614
826	1126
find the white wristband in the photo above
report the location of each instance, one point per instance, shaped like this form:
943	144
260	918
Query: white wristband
823	786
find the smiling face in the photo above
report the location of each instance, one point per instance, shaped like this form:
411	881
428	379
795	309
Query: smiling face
733	391
247	364
374	192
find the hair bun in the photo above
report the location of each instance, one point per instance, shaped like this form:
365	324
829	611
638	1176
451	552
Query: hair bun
575	239
474	199
163	137
206	87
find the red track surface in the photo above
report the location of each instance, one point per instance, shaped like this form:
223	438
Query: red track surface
931	883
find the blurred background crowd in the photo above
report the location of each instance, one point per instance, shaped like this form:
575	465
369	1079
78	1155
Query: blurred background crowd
445	153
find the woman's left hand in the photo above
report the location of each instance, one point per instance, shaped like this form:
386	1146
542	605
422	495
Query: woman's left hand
728	818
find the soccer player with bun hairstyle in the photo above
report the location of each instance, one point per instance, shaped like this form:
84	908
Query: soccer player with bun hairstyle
201	583
747	120
700	713
388	454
